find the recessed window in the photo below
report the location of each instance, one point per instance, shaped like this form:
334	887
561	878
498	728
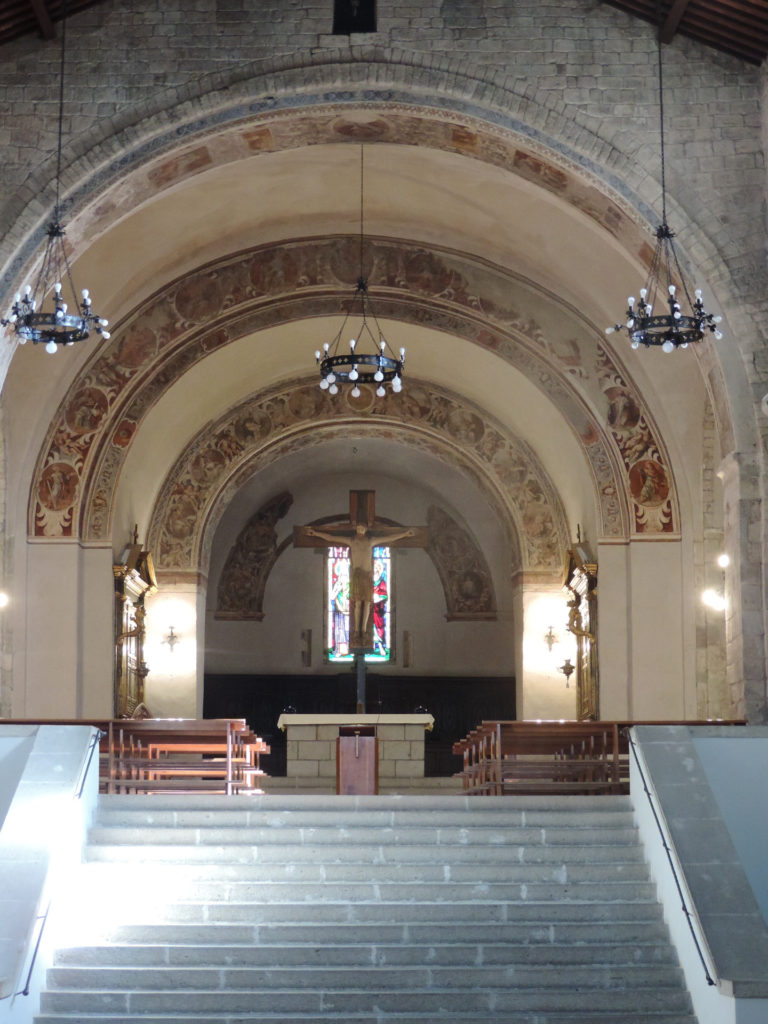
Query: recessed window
337	605
353	16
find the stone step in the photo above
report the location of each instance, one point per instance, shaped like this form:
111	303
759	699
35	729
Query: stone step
186	893
451	914
500	1001
386	853
366	871
529	933
307	977
368	909
572	1016
322	953
279	817
333	833
379	804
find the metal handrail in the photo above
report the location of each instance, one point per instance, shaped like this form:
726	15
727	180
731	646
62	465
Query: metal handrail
43	918
668	851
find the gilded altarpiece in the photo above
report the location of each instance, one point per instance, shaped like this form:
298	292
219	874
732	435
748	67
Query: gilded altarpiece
134	578
581	585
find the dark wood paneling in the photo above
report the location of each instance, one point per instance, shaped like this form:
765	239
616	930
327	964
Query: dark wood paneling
457	704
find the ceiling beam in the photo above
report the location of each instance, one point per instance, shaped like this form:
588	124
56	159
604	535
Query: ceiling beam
672	20
43	19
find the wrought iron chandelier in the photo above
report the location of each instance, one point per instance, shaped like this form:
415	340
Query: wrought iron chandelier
369	360
42	314
684	320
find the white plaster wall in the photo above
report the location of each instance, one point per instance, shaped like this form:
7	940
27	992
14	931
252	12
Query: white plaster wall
65	610
293	599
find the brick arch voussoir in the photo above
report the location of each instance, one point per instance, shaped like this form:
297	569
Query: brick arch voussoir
289	418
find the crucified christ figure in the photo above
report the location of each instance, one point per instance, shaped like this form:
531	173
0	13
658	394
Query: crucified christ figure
361	542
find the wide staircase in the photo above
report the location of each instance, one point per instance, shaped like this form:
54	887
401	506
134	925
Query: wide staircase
528	910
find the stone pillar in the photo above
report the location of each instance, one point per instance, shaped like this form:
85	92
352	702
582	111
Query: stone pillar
176	662
745	614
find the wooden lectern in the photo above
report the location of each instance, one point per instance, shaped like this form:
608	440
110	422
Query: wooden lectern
357	761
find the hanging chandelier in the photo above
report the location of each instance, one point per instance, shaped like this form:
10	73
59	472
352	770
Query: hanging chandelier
369	360
50	312
683	320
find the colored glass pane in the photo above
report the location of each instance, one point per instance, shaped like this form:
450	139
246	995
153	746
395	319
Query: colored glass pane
338	605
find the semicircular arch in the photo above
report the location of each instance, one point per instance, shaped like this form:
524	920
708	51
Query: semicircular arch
88	441
260	431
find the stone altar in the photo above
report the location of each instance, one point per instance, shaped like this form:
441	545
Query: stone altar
311	744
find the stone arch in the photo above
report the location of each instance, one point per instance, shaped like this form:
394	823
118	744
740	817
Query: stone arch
289	418
482	118
88	440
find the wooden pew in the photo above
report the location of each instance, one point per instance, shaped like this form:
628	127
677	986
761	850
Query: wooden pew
172	754
183	755
503	757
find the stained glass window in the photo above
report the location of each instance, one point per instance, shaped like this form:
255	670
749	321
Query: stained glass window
338	605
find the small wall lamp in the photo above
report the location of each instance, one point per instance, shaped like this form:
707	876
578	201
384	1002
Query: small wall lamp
171	639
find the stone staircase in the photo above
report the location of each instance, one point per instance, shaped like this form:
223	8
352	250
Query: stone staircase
527	910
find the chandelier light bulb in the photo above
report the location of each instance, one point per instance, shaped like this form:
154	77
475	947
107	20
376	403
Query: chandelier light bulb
668	346
352	343
324	384
317	355
331	378
51	347
380	391
355	391
353	374
334	389
378	376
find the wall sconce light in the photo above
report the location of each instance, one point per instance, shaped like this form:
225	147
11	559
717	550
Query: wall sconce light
171	639
567	669
550	638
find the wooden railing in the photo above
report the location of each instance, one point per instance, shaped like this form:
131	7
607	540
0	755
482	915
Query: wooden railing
549	757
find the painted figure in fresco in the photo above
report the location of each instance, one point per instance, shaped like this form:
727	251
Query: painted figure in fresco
361	542
340	598
380	598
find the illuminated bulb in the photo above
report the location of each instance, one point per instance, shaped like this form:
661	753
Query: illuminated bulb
4	599
609	330
333	389
643	292
672	289
355	391
380	391
324	384
634	343
51	347
723	560
352	343
317	355
631	301
668	346
331	379
378	375
353	374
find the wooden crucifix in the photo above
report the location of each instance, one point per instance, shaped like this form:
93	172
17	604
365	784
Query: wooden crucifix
361	535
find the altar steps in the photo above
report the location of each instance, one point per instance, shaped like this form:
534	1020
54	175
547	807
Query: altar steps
529	910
